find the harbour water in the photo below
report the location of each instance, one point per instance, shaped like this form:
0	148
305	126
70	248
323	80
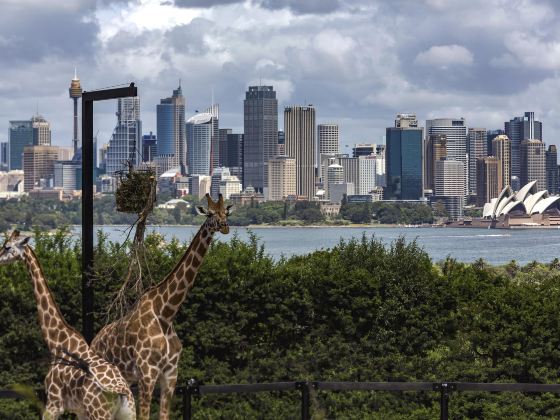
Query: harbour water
464	244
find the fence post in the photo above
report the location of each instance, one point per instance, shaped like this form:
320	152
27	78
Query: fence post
304	389
191	389
445	389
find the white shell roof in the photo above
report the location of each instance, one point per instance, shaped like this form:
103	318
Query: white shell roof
511	205
522	193
533	199
526	199
545	204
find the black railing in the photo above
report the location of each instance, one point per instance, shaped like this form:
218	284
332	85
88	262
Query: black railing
445	390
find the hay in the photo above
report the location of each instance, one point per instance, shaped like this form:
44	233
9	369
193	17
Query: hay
136	190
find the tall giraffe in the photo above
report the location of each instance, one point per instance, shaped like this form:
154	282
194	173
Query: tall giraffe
78	381
144	344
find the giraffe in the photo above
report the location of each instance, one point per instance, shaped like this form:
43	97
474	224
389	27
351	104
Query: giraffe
78	380
144	344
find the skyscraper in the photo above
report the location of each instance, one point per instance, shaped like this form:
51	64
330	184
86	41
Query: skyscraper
41	131
222	136
363	149
519	129
33	132
450	185
404	159
171	132
199	143
299	128
281	178
235	154
214	111
501	149
489	179
38	166
436	149
491	135
75	92
260	121
125	143
552	170
367	166
476	144
455	130
533	163
327	136
149	147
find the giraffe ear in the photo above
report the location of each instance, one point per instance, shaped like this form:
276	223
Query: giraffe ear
25	241
201	210
229	209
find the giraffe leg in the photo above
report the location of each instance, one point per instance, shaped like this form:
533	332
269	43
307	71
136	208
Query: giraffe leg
52	412
167	384
145	391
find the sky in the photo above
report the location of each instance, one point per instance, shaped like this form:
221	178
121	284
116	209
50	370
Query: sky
358	62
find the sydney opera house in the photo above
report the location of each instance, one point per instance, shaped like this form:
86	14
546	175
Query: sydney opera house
524	208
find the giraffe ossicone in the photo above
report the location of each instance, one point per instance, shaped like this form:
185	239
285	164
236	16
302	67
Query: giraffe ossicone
78	380
144	344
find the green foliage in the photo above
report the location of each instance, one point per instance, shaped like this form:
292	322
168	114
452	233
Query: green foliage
361	311
404	213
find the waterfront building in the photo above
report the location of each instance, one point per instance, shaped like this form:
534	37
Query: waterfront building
501	149
367	166
436	149
149	147
171	136
404	153
335	175
281	178
199	130
327	137
489	179
552	170
75	93
351	170
125	143
299	128
38	166
338	191
533	163
260	122
363	149
450	186
477	148
229	185
517	130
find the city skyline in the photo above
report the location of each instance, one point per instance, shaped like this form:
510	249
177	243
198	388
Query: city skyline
344	58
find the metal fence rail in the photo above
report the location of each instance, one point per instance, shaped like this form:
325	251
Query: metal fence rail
445	390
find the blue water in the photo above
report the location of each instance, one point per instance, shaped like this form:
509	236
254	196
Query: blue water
495	246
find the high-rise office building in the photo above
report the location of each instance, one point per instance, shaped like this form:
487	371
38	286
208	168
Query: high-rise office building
380	166
455	130
20	135
41	131
450	185
351	169
367	166
501	149
299	126
489	179
363	149
436	149
552	170
491	135
403	154
200	129
281	146
125	143
171	136
335	176
214	111
222	135
533	163
75	92
260	122
476	146
281	178
4	156
68	175
149	147
38	166
327	136
519	129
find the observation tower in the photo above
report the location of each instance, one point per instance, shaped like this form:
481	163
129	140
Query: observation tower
75	92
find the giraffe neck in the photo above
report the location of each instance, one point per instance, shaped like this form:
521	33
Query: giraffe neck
172	291
56	332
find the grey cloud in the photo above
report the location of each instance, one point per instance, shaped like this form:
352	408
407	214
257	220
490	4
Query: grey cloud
297	6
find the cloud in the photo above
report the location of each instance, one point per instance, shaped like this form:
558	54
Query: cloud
444	56
534	51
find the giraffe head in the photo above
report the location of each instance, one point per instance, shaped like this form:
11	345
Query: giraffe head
216	214
14	248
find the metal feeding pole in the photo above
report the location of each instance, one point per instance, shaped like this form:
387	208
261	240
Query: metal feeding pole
88	98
